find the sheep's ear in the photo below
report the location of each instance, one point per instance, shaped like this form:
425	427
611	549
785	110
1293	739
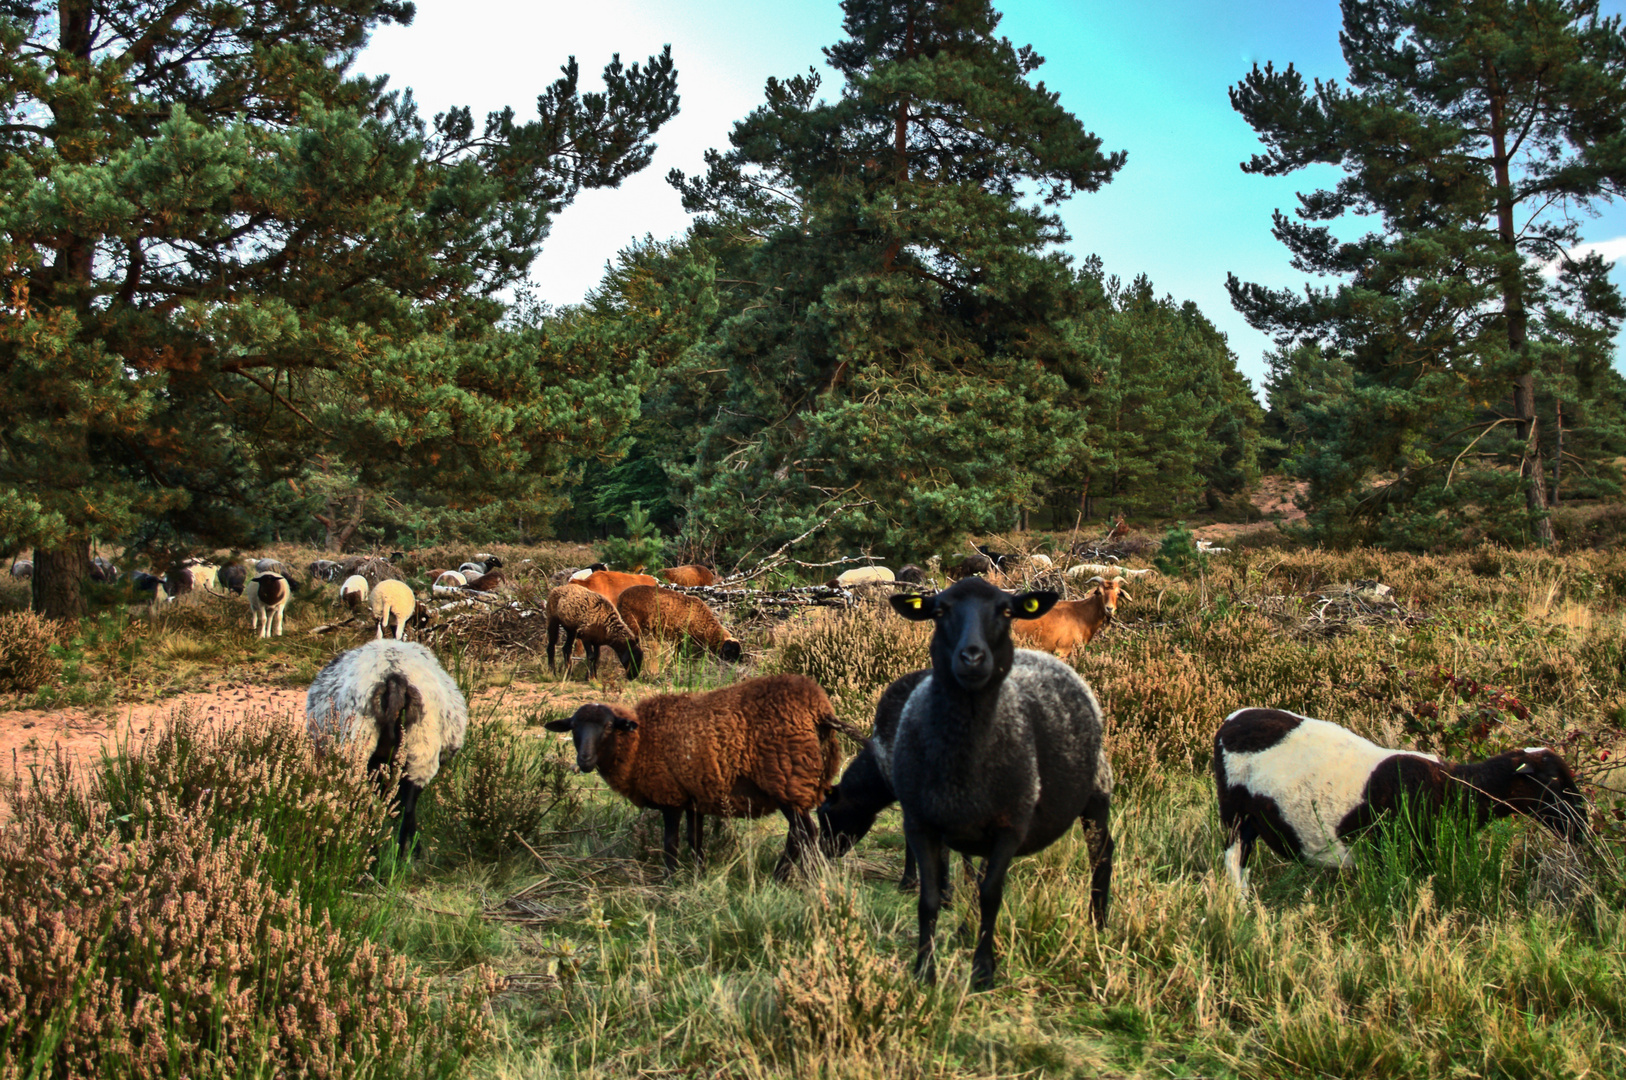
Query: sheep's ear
559	725
916	608
1031	605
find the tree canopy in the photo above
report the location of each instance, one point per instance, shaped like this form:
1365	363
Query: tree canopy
224	255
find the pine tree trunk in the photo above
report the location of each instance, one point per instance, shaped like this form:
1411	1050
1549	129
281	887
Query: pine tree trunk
1524	386
1558	449
59	577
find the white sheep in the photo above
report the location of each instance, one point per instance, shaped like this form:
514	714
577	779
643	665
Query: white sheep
393	598
354	591
267	598
863	575
396	694
449	583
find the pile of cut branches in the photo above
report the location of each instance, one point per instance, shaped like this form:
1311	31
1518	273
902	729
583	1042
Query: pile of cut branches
1339	609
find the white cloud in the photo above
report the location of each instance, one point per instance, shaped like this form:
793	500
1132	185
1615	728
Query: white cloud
1612	250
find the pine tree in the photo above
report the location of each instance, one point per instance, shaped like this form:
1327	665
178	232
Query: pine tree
223	255
1474	131
898	353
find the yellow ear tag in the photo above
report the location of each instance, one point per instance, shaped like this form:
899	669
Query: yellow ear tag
1030	604
914	602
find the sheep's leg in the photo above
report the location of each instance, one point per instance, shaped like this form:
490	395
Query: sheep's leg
991	893
553	640
802	836
570	646
279	621
910	878
1097	818
928	851
669	837
697	837
1243	836
407	795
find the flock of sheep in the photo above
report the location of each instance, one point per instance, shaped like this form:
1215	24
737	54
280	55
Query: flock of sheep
992	752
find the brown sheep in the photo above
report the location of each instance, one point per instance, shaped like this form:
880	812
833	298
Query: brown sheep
1072	623
668	615
610	584
587	615
746	750
690	576
487	582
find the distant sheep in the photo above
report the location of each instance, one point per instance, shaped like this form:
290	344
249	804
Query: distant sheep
582	613
912	574
392	599
447	583
22	569
353	592
1306	787
668	615
759	746
690	576
1072	623
396	696
490	581
610	584
323	570
267	596
149	583
103	571
860	576
997	754
372	568
970	566
232	578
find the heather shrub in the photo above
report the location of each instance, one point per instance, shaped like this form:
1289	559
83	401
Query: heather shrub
497	792
26	658
853	654
195	907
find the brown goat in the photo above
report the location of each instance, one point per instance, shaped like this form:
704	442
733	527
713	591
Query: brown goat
662	613
1072	623
610	584
690	576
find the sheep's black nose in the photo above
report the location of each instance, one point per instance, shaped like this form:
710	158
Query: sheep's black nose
972	655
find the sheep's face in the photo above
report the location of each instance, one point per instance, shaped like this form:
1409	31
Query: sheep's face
591	728
730	650
973	636
1544	788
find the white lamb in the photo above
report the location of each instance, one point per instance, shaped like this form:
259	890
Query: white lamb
393	598
397	695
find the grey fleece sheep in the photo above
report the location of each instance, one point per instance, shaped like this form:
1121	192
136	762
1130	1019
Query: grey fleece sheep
582	613
998	753
746	750
396	695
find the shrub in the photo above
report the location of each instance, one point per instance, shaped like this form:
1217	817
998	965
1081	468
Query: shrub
641	549
853	654
501	784
26	660
1178	556
185	913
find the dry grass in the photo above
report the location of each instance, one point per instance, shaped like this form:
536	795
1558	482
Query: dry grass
1500	957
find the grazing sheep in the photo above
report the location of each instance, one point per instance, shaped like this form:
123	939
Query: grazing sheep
373	569
1002	560
746	750
1040	561
267	599
690	576
447	583
610	584
22	569
582	613
971	565
859	576
232	578
192	574
396	695
997	753
1072	623
664	614
149	583
103	571
912	575
323	570
391	597
490	581
1307	786
353	592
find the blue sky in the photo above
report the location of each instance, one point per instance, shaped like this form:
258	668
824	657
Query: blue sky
1149	77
